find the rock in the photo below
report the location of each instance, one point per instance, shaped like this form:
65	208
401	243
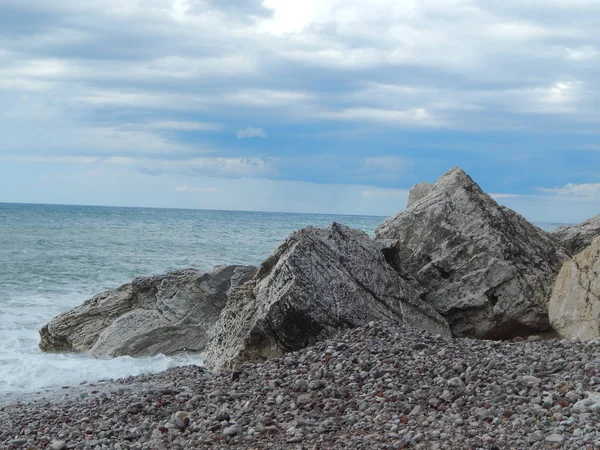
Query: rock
486	269
58	445
231	431
136	408
589	404
555	438
417	192
165	314
318	281
577	237
574	307
534	437
223	416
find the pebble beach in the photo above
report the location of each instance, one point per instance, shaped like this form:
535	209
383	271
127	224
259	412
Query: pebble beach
381	386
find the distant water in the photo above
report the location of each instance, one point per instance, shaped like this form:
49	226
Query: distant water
52	258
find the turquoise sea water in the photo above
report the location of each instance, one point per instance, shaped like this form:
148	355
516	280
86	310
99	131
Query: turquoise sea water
52	258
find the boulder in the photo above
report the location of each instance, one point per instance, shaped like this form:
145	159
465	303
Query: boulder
317	282
484	268
577	237
164	314
417	192
574	308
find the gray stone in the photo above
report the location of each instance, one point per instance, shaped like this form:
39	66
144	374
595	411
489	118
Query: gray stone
58	445
231	431
577	237
486	269
555	438
165	314
417	192
589	404
574	307
318	281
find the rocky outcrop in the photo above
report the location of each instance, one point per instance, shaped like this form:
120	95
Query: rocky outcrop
317	282
577	237
486	269
164	314
417	192
574	308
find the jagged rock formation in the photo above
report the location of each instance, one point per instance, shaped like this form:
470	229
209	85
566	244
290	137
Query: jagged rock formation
486	269
317	282
151	315
417	192
577	237
574	308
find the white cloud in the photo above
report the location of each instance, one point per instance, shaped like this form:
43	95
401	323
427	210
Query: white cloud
205	190
251	132
583	53
589	191
413	116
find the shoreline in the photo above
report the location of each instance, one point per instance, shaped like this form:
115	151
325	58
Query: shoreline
378	386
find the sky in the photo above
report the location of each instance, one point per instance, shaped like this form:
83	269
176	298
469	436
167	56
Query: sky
324	106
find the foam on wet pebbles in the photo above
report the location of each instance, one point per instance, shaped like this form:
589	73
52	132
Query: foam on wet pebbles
380	386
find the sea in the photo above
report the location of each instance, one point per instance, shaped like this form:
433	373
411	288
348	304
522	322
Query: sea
54	257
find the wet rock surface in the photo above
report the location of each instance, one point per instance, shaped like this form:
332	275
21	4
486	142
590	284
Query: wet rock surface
318	281
168	313
486	269
381	386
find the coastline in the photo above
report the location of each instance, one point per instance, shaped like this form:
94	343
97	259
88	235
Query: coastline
378	386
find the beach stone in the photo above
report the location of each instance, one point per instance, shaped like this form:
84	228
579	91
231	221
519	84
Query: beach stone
574	307
58	445
577	237
555	438
164	314
318	282
231	431
485	268
589	404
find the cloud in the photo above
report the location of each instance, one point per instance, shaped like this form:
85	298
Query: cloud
251	132
205	190
589	191
158	87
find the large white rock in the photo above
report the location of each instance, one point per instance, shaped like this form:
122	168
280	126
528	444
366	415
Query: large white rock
164	314
317	282
486	269
574	308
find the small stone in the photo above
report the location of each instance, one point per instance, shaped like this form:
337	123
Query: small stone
555	438
529	379
136	408
456	382
301	385
179	424
231	431
304	399
534	437
223	416
58	445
